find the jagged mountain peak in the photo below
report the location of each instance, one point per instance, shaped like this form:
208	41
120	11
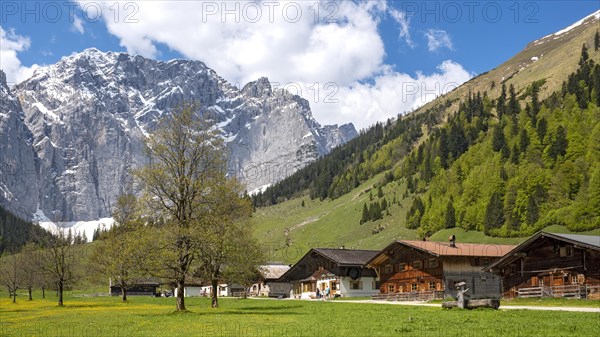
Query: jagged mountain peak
90	112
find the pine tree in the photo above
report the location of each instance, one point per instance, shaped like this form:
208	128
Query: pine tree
379	192
494	213
513	103
384	204
514	155
375	211
427	172
365	214
542	128
444	148
501	103
596	41
523	140
458	142
302	203
498	141
450	215
560	144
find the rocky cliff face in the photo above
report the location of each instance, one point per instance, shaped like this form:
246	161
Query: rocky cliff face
88	115
19	190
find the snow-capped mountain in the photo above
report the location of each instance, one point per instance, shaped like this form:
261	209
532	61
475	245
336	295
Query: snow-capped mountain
88	115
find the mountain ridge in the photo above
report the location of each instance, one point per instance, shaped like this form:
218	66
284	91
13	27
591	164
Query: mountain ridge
89	113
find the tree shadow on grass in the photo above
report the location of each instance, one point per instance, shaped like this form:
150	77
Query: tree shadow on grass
223	312
283	307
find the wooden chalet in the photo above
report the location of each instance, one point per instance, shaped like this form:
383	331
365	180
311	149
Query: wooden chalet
551	265
423	270
268	282
340	269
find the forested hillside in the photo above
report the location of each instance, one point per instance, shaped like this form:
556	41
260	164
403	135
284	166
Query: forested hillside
514	165
506	166
15	232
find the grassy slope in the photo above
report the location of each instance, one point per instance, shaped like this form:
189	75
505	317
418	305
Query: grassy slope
336	223
329	223
146	316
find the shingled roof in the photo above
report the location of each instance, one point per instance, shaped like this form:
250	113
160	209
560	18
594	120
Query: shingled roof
582	241
273	271
459	249
445	249
347	257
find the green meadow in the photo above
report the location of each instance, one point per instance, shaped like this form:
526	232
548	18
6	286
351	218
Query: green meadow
146	316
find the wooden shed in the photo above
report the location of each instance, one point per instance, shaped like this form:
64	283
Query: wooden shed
268	283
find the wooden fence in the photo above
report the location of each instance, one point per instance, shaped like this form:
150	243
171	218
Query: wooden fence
410	296
569	291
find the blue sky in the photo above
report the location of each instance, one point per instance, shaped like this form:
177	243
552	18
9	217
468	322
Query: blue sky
367	49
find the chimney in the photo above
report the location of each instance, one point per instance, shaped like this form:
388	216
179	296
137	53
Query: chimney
452	240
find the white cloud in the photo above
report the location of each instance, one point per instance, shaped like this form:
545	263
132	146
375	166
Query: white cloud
437	38
390	94
77	25
404	24
288	42
337	42
10	45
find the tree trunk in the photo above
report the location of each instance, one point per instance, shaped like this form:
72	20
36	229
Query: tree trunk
29	291
60	293
180	298
43	292
14	293
215	288
124	293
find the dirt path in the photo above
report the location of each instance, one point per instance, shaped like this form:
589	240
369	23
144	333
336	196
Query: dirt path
502	307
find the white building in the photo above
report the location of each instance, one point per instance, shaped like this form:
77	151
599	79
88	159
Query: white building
342	270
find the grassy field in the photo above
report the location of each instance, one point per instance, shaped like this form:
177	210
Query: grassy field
145	316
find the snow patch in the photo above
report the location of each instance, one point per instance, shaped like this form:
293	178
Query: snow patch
534	59
45	111
259	189
87	227
595	15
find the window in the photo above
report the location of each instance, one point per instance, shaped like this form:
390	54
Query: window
510	269
433	263
431	285
355	285
574	279
570	251
402	266
414	287
483	279
567	251
390	288
485	261
417	264
388	269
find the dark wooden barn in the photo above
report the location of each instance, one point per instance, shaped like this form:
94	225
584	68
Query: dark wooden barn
551	265
142	288
422	270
